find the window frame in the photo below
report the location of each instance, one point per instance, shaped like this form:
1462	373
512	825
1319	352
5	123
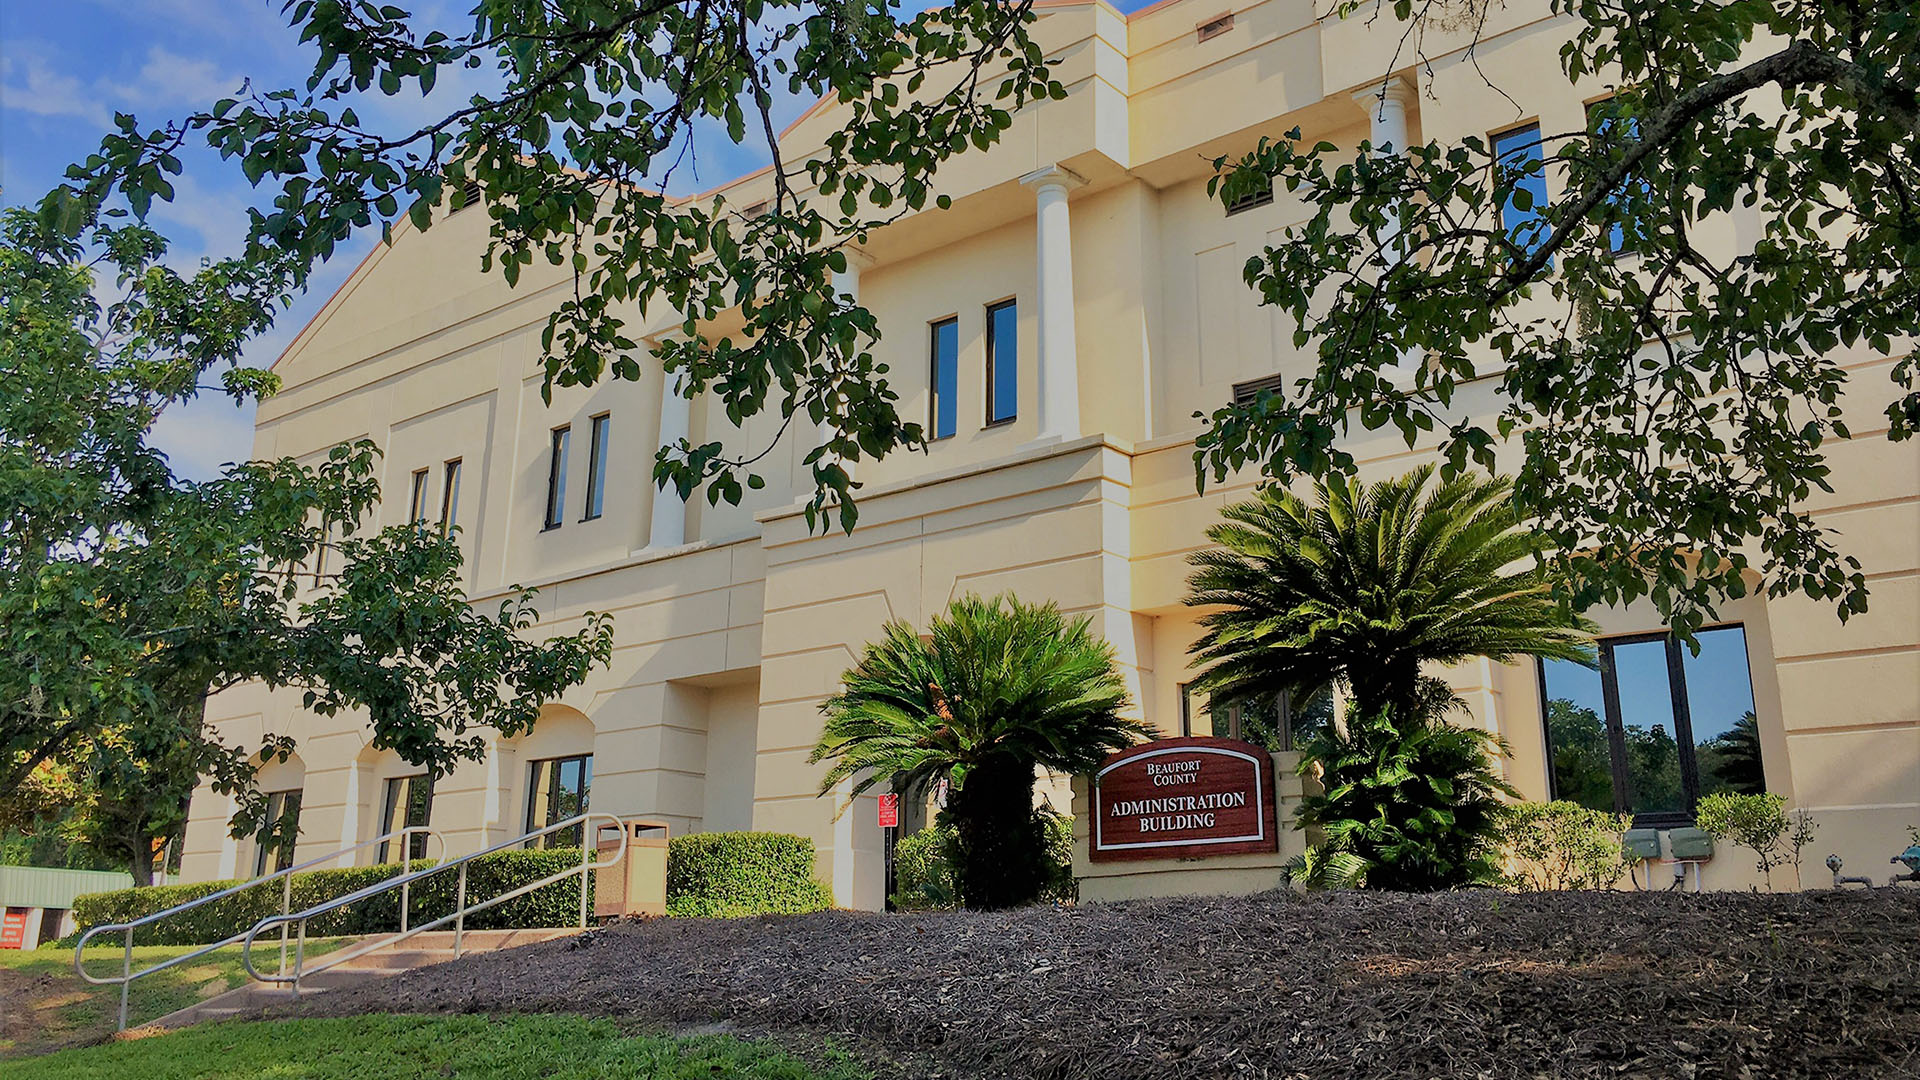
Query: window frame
533	788
449	496
559	443
1620	243
1544	196
416	845
283	846
934	396
598	427
417	498
992	371
1683	735
1235	711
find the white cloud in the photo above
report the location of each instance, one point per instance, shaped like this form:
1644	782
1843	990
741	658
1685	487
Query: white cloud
42	91
169	78
202	435
219	218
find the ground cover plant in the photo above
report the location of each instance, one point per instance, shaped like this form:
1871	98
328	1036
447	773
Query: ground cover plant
1331	985
422	1048
44	1007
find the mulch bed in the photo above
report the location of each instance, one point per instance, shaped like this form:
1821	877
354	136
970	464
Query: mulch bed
1323	986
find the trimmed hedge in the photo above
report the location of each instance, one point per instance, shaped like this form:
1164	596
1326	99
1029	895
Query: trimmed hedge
431	898
743	873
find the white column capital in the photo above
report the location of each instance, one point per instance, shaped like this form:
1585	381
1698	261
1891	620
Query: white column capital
1053	176
857	258
1397	90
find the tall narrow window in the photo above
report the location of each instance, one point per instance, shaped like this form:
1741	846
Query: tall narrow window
1523	173
597	465
557	790
320	553
1611	131
1655	727
450	498
944	378
417	501
409	804
557	477
274	851
1003	362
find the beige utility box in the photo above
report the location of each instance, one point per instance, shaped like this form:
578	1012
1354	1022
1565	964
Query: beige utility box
637	884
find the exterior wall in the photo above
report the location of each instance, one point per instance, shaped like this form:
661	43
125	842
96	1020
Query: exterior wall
726	644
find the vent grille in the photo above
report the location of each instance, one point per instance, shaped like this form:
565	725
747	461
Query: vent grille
1248	392
758	209
469	195
1216	26
1258	197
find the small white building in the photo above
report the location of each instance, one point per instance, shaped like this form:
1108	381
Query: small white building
36	902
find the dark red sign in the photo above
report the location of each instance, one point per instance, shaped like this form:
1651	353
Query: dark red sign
890	811
1182	799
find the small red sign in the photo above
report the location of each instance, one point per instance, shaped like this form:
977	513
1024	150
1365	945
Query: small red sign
890	811
13	930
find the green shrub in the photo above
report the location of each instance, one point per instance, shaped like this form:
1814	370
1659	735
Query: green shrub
1760	824
923	866
923	871
1561	845
431	897
743	873
1411	806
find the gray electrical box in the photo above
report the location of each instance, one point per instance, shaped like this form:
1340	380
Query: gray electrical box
1690	843
1642	843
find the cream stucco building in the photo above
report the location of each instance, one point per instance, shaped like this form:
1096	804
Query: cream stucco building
1084	252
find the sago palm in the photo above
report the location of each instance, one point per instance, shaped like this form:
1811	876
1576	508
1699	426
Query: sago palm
1367	584
996	690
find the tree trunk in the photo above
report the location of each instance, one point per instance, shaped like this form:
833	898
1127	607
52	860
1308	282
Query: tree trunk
141	866
1002	846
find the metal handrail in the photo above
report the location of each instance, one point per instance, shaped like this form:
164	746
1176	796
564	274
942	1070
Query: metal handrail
588	842
127	975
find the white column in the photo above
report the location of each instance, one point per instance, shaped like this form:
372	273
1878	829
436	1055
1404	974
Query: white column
1059	366
1386	105
669	525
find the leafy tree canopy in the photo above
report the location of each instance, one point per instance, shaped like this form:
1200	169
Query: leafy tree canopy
1674	401
592	112
127	595
1675	469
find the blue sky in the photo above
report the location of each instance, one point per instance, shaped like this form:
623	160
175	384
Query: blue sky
66	67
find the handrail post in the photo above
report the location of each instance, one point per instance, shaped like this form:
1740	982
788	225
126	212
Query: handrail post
286	907
299	957
460	912
406	868
584	852
126	977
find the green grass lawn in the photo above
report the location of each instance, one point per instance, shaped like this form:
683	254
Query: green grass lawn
44	1005
439	1048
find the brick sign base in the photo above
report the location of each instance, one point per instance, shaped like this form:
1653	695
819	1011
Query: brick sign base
1182	799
